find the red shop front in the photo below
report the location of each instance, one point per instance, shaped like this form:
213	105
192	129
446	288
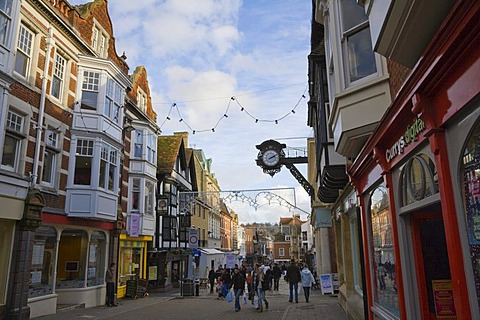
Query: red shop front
418	179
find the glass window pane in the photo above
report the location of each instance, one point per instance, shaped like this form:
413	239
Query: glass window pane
72	259
96	259
48	166
471	186
361	60
89	100
352	14
83	170
383	254
111	177
43	256
103	170
10	151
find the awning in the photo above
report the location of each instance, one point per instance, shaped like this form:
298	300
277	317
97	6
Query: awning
211	251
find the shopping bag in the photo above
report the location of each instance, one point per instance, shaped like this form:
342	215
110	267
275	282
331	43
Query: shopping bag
229	296
244	298
255	302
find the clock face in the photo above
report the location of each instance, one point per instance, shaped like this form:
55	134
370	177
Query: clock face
271	158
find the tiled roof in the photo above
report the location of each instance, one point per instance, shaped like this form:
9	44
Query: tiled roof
168	149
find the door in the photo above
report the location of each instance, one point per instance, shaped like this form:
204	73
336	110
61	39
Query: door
432	267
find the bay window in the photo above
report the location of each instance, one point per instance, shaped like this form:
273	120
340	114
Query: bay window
149	197
138	146
151	148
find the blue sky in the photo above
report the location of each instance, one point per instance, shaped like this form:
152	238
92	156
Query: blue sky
200	53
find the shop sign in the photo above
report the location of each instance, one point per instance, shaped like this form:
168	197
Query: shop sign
323	218
411	135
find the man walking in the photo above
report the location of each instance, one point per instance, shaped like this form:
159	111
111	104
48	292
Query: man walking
238	281
293	278
110	279
277	274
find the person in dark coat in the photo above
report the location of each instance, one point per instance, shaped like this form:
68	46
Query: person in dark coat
211	279
293	278
277	274
238	281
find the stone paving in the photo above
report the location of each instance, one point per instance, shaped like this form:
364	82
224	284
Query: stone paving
171	305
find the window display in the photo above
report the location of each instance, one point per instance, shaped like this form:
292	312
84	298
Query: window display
383	253
471	185
43	262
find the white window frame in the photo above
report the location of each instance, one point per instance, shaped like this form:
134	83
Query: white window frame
151	147
59	67
281	252
5	20
108	179
138	144
52	143
343	36
149	198
14	129
136	190
90	83
25	44
113	100
84	148
99	40
287	238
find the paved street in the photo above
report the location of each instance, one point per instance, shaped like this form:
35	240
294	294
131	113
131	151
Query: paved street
172	306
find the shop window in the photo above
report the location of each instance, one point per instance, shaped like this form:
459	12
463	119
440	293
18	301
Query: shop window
43	262
72	259
354	238
6	237
470	168
383	253
418	179
130	264
96	259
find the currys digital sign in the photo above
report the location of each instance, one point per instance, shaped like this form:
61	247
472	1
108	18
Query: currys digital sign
410	136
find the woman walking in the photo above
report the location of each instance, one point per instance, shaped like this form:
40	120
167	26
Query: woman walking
307	281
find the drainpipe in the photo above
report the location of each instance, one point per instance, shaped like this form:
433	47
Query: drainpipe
41	111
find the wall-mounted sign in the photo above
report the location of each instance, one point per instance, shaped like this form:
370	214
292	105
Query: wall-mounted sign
411	135
323	218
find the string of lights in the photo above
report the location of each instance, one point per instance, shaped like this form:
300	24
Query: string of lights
225	114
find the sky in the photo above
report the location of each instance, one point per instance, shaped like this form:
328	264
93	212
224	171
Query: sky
198	55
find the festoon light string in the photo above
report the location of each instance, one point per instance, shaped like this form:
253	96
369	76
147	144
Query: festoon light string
225	114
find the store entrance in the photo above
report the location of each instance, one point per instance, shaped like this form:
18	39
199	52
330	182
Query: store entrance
432	267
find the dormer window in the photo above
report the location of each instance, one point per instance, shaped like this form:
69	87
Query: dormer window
99	41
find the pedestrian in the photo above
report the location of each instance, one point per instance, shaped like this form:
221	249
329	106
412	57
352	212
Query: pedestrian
277	274
238	281
211	279
260	283
110	279
307	281
293	278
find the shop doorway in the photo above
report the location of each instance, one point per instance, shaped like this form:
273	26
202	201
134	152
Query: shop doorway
432	267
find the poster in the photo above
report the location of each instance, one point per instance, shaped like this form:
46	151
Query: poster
326	283
443	297
152	273
230	260
35	277
37	255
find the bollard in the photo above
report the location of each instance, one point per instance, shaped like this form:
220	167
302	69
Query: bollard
197	287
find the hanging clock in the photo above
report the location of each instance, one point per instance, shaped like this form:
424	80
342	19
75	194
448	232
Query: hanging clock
271	158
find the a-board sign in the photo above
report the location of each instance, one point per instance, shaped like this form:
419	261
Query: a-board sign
326	283
131	289
142	285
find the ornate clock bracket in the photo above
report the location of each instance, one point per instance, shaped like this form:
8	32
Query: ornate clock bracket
275	167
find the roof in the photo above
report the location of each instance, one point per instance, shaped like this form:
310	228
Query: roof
168	148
